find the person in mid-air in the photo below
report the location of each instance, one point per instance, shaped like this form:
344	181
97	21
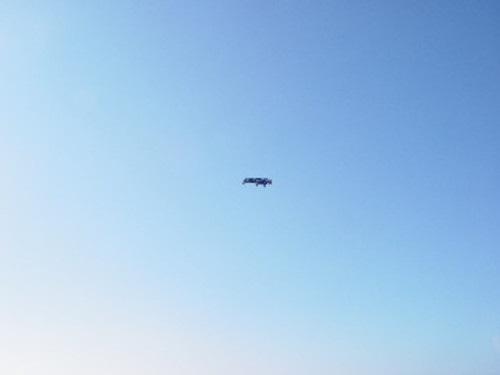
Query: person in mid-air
258	181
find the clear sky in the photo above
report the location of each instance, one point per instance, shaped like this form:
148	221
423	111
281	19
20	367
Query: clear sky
128	244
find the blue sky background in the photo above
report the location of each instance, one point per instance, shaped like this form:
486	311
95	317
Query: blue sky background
129	246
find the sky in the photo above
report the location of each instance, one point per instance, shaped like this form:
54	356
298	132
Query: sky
128	244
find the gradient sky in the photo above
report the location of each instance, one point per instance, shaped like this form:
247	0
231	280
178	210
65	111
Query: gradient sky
128	244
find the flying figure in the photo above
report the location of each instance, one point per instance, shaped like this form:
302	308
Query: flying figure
258	181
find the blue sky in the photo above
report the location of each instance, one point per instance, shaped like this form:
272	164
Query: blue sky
129	246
